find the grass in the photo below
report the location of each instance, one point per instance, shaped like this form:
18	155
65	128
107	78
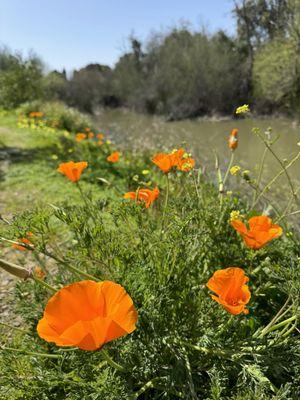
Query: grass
186	346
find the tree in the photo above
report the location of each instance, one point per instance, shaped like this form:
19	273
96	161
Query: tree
20	79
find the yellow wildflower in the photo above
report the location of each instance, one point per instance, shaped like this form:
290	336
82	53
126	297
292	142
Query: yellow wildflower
244	109
235	170
234	215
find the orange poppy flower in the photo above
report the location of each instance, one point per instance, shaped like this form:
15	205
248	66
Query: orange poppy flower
72	170
100	136
163	161
230	287
23	240
233	140
36	114
177	158
100	143
80	136
87	129
186	164
87	315
146	195
90	135
114	157
260	232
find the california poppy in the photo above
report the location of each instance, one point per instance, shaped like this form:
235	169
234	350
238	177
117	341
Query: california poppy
90	135
23	240
186	164
163	161
80	136
233	140
261	231
72	170
177	158
114	157
87	315
146	195
100	136
230	287
36	114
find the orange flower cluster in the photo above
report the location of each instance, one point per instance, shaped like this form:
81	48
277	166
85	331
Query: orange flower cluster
88	134
25	240
72	170
36	114
233	140
87	315
146	195
261	231
80	136
114	157
176	159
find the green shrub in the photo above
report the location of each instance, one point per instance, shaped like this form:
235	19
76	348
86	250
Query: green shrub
20	79
58	115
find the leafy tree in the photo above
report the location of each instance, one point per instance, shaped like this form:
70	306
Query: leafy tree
276	73
20	79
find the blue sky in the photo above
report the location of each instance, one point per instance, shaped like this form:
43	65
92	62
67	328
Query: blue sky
72	33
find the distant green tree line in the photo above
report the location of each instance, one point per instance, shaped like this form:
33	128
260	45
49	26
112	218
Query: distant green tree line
181	73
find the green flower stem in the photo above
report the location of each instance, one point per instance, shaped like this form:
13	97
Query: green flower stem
111	362
44	284
48	254
217	352
275	319
24	274
284	168
228	168
82	273
155	383
15	328
277	326
282	323
281	172
166	202
31	353
82	194
220	179
70	267
262	163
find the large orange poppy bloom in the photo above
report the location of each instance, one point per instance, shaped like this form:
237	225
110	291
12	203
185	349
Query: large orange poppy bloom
230	287
114	157
146	195
72	170
166	161
233	140
87	315
261	231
